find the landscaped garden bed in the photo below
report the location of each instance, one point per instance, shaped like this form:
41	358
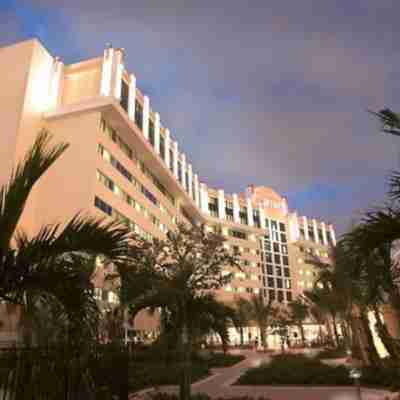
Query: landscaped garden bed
301	370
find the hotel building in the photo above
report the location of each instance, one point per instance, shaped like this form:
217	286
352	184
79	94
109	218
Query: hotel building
124	163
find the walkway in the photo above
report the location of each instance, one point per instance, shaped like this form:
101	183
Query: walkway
220	385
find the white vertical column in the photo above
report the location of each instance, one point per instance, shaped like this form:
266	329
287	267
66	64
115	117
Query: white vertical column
157	132
56	81
167	144
146	116
262	218
132	97
324	237
175	161
190	181
294	227
183	167
236	208
315	229
117	73
196	190
221	204
250	217
204	199
106	71
332	232
305	226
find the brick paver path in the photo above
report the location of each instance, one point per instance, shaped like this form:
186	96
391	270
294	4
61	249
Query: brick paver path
220	385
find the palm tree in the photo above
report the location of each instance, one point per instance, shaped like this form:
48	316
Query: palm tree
177	274
261	312
242	316
298	313
390	121
43	269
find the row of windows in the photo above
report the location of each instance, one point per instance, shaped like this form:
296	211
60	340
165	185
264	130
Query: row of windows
275	247
275	258
112	212
107	156
316	252
113	135
312	237
117	190
270	269
278	295
241	289
237	234
279	283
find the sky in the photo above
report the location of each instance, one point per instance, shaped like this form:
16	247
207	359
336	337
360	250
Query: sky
264	92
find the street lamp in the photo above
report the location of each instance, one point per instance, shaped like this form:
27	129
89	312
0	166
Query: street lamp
356	374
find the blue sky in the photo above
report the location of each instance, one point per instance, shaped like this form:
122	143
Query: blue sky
261	92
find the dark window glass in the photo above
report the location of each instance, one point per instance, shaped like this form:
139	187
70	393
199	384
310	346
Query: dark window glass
284	249
180	177
302	236
187	181
270	269
243	216
139	115
268	257
271	282
279	283
151	132
213	207
102	205
271	294
277	258
278	271
286	272
274	225
124	95
162	147
267	245
285	260
283	238
276	248
289	296
282	227
320	235
150	196
311	234
171	160
237	234
280	296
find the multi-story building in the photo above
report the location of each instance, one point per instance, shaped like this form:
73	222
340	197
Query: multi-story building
124	163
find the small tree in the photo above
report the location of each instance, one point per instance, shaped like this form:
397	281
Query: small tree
280	326
298	313
261	313
177	273
243	316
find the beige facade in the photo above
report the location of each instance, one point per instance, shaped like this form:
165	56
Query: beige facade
123	163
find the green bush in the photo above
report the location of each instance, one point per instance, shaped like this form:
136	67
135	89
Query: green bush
388	377
296	370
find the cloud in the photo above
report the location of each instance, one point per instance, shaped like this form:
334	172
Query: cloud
270	93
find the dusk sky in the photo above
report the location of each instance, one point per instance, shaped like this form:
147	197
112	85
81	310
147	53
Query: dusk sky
265	92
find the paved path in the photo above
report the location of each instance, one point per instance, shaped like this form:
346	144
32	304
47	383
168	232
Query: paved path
220	385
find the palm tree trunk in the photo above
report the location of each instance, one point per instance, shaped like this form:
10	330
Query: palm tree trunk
373	356
335	331
241	336
358	348
385	336
303	337
185	384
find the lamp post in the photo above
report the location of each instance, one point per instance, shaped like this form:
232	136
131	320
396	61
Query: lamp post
355	374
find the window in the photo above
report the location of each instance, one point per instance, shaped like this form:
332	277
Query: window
187	181
139	115
302	235
285	260
288	284
162	147
151	132
124	95
283	238
243	215
237	234
180	176
271	282
102	205
284	249
275	236
268	257
277	258
320	235
171	160
213	207
279	283
289	296
271	295
282	227
276	248
270	269
311	234
278	271
286	272
274	225
280	296
267	245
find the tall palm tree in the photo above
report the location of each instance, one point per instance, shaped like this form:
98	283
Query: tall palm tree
242	316
177	274
298	313
390	121
261	313
44	268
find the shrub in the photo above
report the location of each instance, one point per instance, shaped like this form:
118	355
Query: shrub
332	353
220	360
296	370
388	377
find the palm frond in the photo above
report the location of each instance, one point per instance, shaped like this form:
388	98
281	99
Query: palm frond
13	196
